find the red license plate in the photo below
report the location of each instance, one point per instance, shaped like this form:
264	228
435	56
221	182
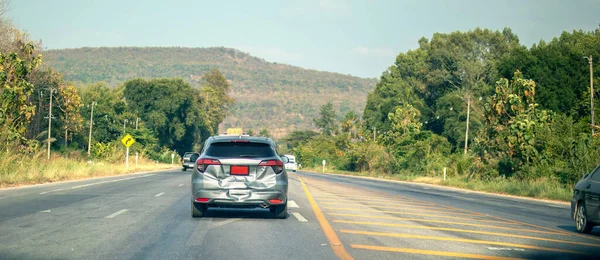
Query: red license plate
239	170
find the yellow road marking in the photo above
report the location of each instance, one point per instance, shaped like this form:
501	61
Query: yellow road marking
465	231
430	252
425	215
388	211
454	223
473	241
334	241
372	200
546	228
378	204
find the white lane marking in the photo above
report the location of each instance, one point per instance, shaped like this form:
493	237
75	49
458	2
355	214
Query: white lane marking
96	183
180	185
42	193
117	213
46	211
160	194
556	206
425	188
299	217
197	237
225	222
292	204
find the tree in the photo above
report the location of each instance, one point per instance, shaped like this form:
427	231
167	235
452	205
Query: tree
349	124
326	120
69	103
513	122
15	108
264	132
171	108
215	98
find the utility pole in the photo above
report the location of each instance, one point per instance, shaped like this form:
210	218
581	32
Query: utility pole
91	123
467	131
591	89
124	122
136	123
50	122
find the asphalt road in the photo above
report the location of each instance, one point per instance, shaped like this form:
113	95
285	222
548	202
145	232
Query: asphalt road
147	216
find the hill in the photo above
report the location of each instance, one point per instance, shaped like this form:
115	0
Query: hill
278	97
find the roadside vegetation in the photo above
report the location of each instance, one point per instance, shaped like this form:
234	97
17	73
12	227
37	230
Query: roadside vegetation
497	115
166	117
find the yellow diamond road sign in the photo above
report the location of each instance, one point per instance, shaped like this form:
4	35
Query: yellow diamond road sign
128	140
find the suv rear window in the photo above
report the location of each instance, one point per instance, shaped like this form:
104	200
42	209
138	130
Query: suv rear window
239	150
189	155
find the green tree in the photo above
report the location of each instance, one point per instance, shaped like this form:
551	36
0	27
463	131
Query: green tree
326	120
215	98
170	108
264	132
513	121
15	108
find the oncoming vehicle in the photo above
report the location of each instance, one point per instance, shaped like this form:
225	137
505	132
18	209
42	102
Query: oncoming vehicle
585	204
239	171
188	160
291	164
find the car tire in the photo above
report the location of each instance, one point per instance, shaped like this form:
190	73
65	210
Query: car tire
279	211
198	210
581	222
294	170
184	169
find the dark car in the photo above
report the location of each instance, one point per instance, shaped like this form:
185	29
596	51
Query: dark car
240	172
585	204
188	161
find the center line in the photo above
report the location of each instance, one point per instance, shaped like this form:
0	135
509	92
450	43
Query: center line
299	217
117	213
180	185
160	194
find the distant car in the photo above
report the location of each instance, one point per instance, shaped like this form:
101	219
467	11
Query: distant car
291	164
189	160
585	204
239	171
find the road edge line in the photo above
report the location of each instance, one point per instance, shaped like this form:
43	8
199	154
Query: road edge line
334	241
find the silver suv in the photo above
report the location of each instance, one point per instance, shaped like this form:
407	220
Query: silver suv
239	171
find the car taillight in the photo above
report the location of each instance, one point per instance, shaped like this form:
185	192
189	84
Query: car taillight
277	165
205	162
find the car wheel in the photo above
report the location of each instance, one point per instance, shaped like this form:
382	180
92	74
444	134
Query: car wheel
184	169
581	222
279	211
198	210
294	170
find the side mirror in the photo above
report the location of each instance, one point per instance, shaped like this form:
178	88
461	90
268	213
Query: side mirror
585	176
285	159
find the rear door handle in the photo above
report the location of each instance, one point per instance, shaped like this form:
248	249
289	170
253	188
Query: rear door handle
588	186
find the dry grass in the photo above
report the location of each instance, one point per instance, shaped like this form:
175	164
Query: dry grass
18	169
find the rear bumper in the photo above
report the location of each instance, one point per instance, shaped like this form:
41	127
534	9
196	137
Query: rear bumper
239	197
188	165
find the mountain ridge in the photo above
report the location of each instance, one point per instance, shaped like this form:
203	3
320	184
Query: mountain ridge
271	95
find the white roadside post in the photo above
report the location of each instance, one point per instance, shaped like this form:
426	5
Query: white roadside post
444	173
324	166
172	158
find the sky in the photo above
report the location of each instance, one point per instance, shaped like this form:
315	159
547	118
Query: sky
360	38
